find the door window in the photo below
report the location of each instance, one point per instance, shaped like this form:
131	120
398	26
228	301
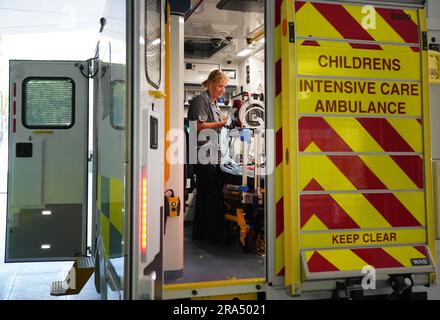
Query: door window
48	103
117	106
153	41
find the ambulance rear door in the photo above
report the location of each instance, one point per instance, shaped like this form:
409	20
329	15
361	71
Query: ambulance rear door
355	102
47	182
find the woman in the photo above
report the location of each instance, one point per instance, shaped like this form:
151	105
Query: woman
209	220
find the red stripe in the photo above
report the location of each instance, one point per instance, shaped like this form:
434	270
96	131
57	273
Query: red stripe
278	4
14	126
406	28
385	135
313	185
279	217
392	210
279	147
278	78
282	272
318	263
365	46
343	22
299	5
422	250
413	168
357	172
415	49
377	257
317	130
14	108
312	43
324	207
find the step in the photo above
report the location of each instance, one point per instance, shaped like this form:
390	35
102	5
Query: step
85	263
57	289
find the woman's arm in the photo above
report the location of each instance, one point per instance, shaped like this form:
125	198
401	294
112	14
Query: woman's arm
209	125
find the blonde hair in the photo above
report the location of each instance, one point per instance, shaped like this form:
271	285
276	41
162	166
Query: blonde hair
215	77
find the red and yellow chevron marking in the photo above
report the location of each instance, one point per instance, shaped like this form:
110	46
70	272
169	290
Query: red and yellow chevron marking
362	211
279	227
345	22
339	134
364	172
319	261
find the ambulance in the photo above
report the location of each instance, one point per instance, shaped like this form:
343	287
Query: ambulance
334	97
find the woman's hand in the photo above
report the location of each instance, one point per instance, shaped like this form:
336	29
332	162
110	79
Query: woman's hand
210	125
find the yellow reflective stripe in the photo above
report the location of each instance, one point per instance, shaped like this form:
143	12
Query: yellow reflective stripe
430	211
389	172
343	259
410	130
404	255
415	203
213	284
318	168
361	211
279	258
290	128
354	134
116	198
313	224
238	296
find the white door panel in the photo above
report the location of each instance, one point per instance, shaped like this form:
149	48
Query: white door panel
148	153
47	183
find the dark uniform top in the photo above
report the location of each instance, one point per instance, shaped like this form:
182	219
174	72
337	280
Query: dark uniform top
202	109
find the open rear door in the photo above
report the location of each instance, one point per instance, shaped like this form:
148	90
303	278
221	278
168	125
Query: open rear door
47	183
356	108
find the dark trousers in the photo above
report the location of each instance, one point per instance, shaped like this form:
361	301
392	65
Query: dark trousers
209	216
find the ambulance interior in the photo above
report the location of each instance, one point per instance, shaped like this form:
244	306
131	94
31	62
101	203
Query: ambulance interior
226	35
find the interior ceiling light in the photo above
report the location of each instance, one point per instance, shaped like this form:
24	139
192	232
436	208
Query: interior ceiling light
244	52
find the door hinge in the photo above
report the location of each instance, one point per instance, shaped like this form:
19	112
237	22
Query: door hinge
291	32
157	94
424	40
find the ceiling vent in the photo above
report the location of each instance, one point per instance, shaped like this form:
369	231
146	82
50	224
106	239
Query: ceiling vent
197	48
